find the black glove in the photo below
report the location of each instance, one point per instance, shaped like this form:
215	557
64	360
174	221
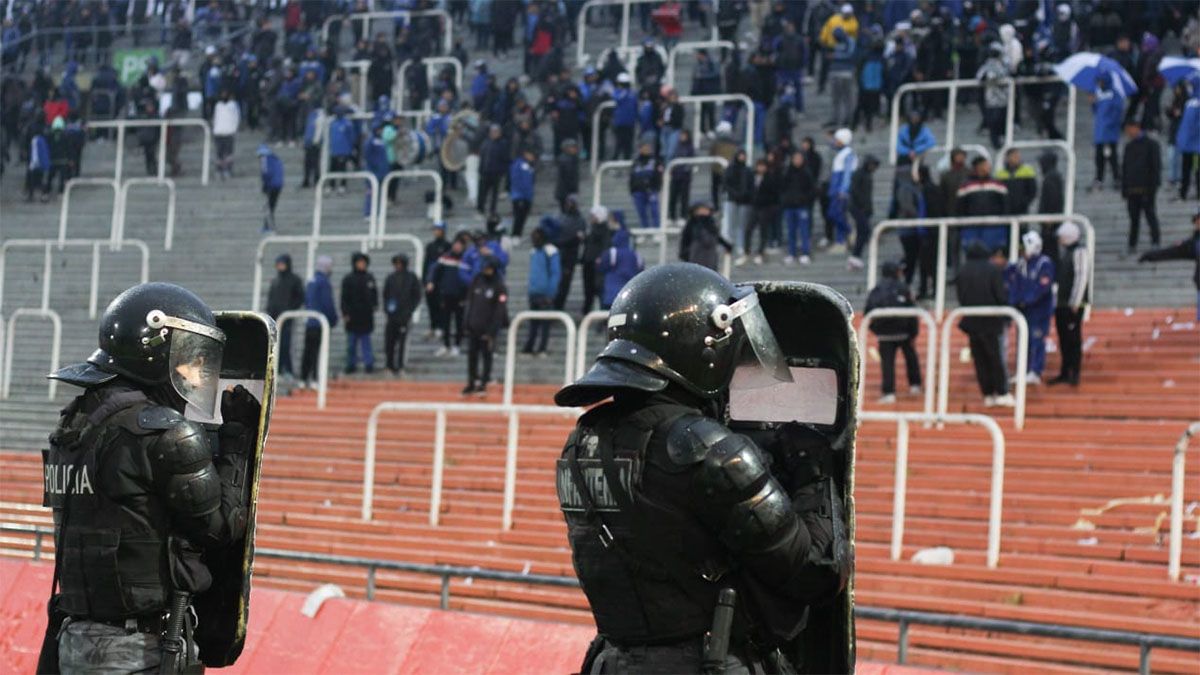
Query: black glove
800	454
240	412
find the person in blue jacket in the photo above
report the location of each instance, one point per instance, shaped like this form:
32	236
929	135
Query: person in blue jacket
841	170
625	115
1187	139
271	171
914	140
343	139
1108	110
1031	291
479	83
545	273
520	189
479	247
318	296
37	173
618	265
375	159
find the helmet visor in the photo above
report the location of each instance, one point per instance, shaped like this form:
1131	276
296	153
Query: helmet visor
195	368
749	312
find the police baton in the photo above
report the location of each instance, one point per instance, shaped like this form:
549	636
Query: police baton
716	642
173	643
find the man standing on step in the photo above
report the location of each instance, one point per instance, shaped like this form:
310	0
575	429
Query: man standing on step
360	299
138	491
1073	278
401	297
667	509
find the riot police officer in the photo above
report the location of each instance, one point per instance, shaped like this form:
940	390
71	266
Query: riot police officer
137	493
668	510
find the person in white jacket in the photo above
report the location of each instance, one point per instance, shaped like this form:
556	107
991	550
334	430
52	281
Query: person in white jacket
226	119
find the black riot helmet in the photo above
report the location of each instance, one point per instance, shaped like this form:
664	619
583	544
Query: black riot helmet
157	333
680	323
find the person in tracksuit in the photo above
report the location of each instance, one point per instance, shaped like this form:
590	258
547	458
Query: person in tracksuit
645	182
1072	276
845	161
1031	290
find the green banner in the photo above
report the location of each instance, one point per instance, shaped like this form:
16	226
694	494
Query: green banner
131	63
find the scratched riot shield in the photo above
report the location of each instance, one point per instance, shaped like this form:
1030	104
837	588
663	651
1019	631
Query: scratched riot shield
249	360
817	412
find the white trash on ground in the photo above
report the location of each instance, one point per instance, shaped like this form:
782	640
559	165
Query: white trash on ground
938	555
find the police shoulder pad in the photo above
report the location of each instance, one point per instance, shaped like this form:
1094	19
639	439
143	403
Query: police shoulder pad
692	436
158	418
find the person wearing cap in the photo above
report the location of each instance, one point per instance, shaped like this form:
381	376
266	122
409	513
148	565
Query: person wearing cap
624	117
401	297
1186	249
994	76
1073	277
485	315
271	172
894	333
841	172
566	179
318	297
359	300
1031	291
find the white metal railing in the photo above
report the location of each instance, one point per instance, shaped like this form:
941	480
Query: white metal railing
430	62
439	448
585	326
55	345
1022	355
931	329
942	226
3	323
48	245
598	175
322	354
1069	151
900	494
691	47
365	241
169	236
381	222
581	27
358	69
1175	546
64	210
327	122
510	355
163	124
447	35
319	197
953	87
594	151
664	196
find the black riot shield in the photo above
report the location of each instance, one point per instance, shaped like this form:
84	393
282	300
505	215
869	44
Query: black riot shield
811	323
249	360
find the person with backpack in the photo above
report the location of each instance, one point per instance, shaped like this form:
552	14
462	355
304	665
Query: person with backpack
486	314
894	333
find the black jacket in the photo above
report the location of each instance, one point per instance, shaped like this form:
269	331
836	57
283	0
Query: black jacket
597	241
360	299
766	191
1141	166
567	180
286	291
1051	199
433	250
980	283
798	189
861	200
1188	249
401	295
892	292
487	305
699	240
571	237
739	183
982	197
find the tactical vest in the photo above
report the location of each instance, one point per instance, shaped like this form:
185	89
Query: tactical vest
113	554
649	569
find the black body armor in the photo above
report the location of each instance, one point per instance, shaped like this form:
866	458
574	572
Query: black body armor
136	495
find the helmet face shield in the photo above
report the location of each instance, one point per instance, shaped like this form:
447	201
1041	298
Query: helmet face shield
194	365
748	311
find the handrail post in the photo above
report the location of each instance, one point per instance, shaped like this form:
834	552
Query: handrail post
119	163
581	352
902	642
931	329
900	491
94	291
996	499
594	157
10	343
510	346
439	467
510	470
162	150
47	271
951	112
444	597
1178	462
939	291
371	582
323	351
368	491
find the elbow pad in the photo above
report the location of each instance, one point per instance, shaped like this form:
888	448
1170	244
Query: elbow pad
183	466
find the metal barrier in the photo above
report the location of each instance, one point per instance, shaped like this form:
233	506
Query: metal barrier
319	197
398	88
169	237
322	353
1175	546
665	192
55	345
510	355
899	497
585	325
358	69
1022	355
931	330
439	448
64	210
47	269
904	617
598	174
163	124
447	35
692	47
366	241
1069	177
581	27
943	225
953	87
438	189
